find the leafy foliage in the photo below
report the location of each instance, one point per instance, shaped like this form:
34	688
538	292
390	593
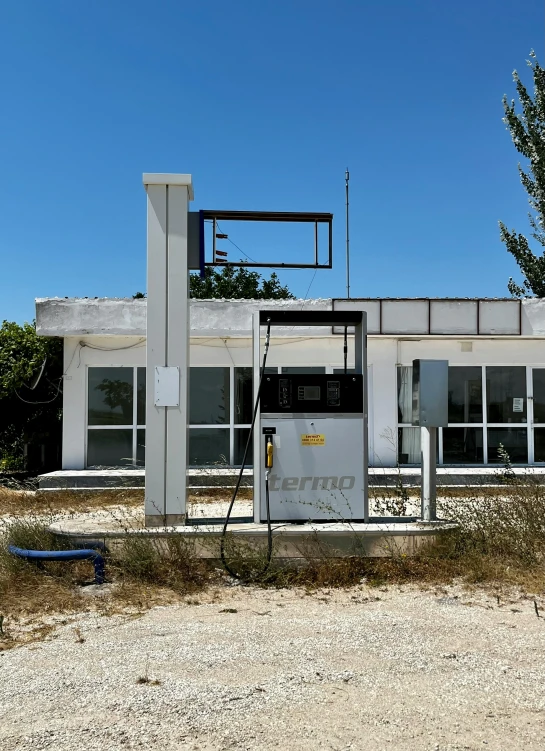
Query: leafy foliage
527	130
28	415
236	284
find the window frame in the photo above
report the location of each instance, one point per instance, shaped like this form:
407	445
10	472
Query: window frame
527	425
230	426
135	425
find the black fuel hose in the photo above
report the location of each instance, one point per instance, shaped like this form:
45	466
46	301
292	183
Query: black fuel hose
227	567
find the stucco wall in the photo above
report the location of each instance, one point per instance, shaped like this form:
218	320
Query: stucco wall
76	317
119	317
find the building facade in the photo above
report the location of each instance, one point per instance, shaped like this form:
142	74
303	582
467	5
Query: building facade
495	349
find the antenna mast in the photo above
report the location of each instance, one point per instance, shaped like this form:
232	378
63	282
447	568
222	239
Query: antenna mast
347	178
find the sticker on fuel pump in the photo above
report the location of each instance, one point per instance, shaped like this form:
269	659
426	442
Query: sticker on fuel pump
313	439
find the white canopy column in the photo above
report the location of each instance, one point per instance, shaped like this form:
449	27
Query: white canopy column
167	365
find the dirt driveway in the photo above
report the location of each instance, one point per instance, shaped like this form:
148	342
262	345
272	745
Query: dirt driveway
253	669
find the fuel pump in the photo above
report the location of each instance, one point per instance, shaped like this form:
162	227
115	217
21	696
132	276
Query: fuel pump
310	435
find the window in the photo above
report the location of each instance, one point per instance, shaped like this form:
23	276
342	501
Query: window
514	441
221	404
111	396
243	395
465	394
409	445
208	446
487	408
462	445
506	394
538	385
209	396
116	411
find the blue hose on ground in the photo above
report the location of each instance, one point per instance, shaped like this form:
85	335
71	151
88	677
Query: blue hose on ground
63	555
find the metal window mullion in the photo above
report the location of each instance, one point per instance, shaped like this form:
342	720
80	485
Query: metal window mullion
485	416
110	427
231	414
530	413
134	414
86	417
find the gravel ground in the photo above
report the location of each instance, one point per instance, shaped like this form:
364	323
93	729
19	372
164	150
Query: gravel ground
134	515
357	669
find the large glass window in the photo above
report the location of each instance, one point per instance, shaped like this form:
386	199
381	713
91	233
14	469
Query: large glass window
110	448
116	412
409	446
513	440
141	396
538	382
243	395
241	439
481	430
209	446
506	394
465	394
209	396
405	394
477	429
539	444
111	396
463	446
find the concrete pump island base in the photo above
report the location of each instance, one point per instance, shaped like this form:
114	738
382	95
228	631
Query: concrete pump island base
309	431
292	543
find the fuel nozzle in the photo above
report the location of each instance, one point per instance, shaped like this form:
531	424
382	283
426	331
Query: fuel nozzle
269	450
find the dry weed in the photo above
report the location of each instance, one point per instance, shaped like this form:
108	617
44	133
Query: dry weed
24	502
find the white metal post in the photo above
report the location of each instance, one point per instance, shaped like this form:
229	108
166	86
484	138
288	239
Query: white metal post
168	331
428	447
360	366
256	363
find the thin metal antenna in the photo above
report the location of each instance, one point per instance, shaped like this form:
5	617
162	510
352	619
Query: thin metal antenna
347	178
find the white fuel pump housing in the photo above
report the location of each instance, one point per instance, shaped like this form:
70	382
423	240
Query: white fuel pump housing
310	438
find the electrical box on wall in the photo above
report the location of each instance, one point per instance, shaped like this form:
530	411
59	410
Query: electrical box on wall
430	393
167	386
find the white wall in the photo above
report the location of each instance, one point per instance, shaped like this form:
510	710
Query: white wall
384	353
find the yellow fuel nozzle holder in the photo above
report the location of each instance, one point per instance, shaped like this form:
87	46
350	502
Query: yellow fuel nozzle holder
269	452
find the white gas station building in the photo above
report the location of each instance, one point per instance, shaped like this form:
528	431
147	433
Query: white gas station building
495	349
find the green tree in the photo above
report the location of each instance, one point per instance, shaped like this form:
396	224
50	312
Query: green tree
236	284
527	129
30	409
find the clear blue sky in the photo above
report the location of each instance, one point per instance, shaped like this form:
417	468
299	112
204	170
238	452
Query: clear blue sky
265	103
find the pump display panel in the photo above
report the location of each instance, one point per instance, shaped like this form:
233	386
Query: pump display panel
316	392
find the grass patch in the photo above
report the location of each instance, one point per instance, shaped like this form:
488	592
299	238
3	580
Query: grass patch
28	588
148	571
500	542
24	502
